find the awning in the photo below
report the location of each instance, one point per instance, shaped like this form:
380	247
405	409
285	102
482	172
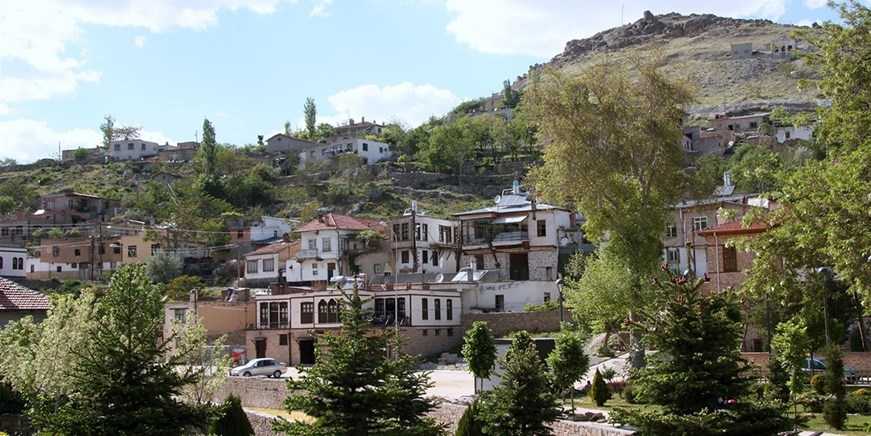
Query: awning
510	220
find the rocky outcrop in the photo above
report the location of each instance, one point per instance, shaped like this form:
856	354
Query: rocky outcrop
649	28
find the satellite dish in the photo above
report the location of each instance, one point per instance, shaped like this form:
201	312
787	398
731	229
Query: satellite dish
439	278
497	199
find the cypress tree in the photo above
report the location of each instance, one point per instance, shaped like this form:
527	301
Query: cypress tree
835	409
599	392
233	422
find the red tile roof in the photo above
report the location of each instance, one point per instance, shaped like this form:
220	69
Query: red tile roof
276	247
16	297
333	221
734	228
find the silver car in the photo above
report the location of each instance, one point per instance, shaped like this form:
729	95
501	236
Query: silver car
266	366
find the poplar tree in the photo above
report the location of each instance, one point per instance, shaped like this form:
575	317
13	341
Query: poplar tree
479	350
311	112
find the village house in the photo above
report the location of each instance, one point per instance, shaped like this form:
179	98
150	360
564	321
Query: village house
74	258
70	207
282	143
331	246
423	244
181	152
229	314
17	301
369	151
269	263
263	229
290	319
359	129
132	149
92	154
12	262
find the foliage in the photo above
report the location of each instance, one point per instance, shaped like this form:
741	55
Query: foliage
567	362
523	403
311	112
356	389
835	409
179	288
743	419
755	168
599	391
470	423
547	306
233	421
112	133
510	97
80	154
479	350
791	344
163	267
613	150
818	383
11	401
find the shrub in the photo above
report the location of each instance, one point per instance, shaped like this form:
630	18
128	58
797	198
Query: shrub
629	394
835	410
470	424
859	403
233	421
818	382
599	392
861	392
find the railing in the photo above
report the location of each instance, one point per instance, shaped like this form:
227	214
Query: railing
515	236
307	254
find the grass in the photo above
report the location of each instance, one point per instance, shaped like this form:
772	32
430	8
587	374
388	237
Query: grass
290	416
616	401
855	425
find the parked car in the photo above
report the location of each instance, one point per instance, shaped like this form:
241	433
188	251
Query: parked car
814	366
266	366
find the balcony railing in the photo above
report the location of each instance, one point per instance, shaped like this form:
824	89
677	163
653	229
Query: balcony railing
500	238
307	254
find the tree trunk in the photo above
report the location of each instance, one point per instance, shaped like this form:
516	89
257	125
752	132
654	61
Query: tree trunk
636	348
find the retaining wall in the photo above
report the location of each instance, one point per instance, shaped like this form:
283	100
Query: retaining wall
502	324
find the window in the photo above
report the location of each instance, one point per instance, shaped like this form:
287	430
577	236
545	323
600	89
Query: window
74	265
131	251
424	309
130	146
670	231
396	232
77	252
59	269
672	259
312	244
435	258
425	257
314	269
730	259
547	297
788	134
282	339
400	308
332	311
404	234
268	265
450	332
479	261
424	332
277	315
13	263
116	249
378	268
326	245
307	312
754	124
700	223
449	309
117	147
417	232
424	233
548	273
438	309
179	315
4	232
264	315
404	256
155	248
55	251
500	303
438	332
379	308
365	147
143	146
251	267
541	227
445	234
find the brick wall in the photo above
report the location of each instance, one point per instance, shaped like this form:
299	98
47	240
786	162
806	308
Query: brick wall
502	324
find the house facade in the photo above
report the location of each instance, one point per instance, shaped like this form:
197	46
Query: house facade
281	143
368	150
17	301
329	243
70	207
423	244
269	263
290	319
182	152
13	262
359	129
132	149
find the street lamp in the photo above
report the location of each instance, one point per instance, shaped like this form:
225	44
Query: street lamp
559	287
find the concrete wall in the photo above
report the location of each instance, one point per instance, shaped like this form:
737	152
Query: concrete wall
516	295
502	324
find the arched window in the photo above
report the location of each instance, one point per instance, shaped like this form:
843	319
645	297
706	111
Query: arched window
322	312
20	263
333	315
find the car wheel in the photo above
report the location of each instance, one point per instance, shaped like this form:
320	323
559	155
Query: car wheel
246	374
276	374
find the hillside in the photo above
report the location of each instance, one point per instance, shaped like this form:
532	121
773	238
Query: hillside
698	48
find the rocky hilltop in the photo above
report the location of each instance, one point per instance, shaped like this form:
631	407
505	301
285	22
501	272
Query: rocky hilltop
706	51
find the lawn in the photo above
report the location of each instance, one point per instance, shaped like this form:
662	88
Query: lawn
855	425
616	401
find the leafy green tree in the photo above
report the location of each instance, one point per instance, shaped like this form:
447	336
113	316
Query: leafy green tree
599	391
324	131
835	409
756	168
80	154
7	204
523	403
163	267
208	156
613	150
568	363
356	389
479	351
108	129
707	176
447	149
791	345
510	97
310	111
233	421
179	288
287	130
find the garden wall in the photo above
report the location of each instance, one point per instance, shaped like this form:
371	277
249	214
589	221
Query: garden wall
860	361
502	324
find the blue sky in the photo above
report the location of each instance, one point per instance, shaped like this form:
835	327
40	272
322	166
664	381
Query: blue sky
248	65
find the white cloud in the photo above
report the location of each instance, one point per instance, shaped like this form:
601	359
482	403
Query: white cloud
321	8
27	140
139	41
542	27
805	23
41	36
816	4
406	102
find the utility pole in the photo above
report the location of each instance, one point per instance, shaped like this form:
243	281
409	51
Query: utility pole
92	257
414	234
100	244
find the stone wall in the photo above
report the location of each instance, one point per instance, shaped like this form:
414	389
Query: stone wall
860	361
415	343
264	393
261	423
502	324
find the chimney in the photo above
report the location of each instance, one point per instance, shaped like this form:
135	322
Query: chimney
362	120
350	121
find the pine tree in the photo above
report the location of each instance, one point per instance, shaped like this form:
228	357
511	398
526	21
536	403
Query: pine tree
233	422
835	409
479	350
599	392
355	389
523	403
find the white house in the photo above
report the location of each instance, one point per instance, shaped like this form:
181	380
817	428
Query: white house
370	151
270	227
132	149
266	264
423	244
790	133
329	242
13	262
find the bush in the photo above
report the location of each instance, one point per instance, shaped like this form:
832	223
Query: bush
742	419
599	392
835	413
859	403
629	394
233	420
818	382
470	424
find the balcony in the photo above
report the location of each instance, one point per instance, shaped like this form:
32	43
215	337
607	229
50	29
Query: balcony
308	254
501	238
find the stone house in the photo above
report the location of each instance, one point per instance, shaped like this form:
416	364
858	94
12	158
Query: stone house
12	262
132	149
423	244
369	151
281	143
330	246
16	302
359	129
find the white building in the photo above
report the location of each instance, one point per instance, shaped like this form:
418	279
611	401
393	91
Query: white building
423	244
267	264
329	242
368	150
13	262
270	227
132	149
790	133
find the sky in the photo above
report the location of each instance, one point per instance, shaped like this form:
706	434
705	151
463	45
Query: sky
248	65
